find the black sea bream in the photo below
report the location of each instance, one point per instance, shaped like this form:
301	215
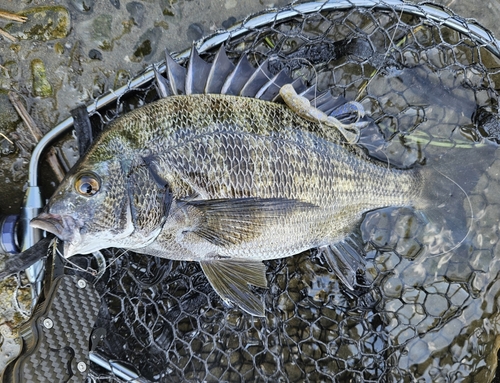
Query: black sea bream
219	172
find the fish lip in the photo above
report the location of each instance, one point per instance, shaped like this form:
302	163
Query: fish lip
63	226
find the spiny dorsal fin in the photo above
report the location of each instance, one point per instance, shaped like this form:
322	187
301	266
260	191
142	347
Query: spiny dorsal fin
242	79
162	85
271	89
221	68
297	84
260	76
176	75
230	279
309	93
197	73
238	77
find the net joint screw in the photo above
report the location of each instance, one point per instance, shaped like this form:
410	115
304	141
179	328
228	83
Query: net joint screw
48	323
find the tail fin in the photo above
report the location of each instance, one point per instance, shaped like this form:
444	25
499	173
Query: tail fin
445	203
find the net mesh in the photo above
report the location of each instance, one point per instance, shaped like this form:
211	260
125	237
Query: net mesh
428	88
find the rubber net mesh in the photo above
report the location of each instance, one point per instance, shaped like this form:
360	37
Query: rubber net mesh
427	88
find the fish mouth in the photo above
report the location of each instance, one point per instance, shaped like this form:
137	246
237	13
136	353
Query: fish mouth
64	227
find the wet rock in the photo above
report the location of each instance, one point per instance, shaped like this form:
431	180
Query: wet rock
101	32
83	5
195	32
9	71
44	23
137	11
11	343
147	45
94	54
41	86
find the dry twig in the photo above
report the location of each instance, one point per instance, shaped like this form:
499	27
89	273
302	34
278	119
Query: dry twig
54	164
6	138
23	113
12	16
36	133
7	35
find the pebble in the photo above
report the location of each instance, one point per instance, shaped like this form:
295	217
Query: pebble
94	54
229	22
41	86
195	32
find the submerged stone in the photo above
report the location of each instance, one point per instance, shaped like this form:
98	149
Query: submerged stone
41	86
44	23
94	54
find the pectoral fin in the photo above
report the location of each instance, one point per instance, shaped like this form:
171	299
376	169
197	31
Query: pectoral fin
231	221
230	279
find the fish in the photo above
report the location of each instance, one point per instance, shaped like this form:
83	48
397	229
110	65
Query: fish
233	166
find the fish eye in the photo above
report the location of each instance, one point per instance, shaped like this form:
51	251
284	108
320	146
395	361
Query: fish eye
87	184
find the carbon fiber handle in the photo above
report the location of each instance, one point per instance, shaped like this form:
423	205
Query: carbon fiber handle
56	339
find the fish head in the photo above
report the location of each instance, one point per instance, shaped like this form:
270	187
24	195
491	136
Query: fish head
90	209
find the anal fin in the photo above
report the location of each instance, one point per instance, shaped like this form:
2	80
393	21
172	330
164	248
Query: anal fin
345	261
230	278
